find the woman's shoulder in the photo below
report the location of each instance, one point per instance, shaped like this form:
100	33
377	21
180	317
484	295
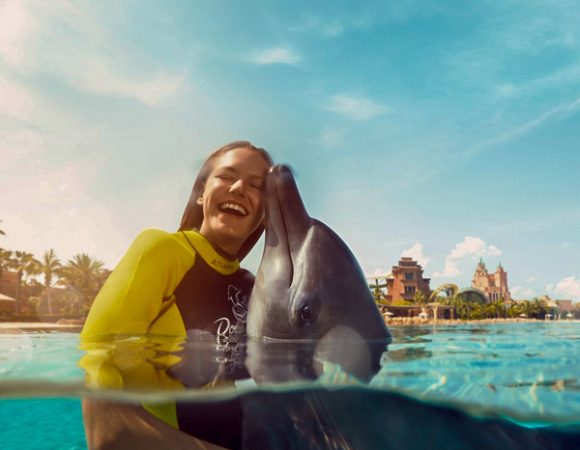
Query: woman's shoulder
153	237
159	241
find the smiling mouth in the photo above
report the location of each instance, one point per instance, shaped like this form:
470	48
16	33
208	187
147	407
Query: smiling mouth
234	209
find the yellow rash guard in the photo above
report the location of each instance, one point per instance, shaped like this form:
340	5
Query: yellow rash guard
167	285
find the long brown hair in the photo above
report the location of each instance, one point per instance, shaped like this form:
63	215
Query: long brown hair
193	215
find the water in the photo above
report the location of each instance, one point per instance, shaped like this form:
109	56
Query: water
529	369
465	386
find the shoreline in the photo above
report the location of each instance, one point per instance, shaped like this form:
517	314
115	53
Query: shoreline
404	321
25	327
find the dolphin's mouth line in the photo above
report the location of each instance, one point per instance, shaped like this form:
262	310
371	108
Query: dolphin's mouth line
287	340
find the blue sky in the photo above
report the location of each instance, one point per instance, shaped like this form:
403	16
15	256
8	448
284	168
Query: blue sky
447	131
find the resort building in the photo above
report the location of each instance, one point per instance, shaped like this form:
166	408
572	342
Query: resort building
565	305
406	280
493	285
9	285
566	309
7	306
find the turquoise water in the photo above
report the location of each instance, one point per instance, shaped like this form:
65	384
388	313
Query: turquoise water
529	369
41	423
467	386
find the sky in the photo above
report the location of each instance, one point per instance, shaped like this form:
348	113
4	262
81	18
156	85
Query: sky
447	131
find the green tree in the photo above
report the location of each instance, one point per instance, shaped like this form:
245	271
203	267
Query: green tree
377	292
461	307
476	311
513	310
540	307
24	264
49	266
466	309
494	309
419	298
85	276
523	307
6	263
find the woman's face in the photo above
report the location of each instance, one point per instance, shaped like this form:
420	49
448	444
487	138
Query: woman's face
232	199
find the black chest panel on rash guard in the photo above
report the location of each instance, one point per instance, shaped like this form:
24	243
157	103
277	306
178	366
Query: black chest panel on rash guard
214	304
208	300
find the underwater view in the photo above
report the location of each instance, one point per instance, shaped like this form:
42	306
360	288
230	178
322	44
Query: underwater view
464	386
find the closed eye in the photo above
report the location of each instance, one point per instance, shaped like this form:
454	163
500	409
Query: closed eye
226	179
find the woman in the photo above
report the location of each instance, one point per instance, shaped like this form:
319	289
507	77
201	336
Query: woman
171	284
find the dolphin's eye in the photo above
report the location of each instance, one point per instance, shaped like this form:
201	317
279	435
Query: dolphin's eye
306	314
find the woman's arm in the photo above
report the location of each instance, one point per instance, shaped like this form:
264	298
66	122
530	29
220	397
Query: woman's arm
135	292
118	426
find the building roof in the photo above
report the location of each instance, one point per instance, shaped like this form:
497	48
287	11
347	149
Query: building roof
564	304
5	298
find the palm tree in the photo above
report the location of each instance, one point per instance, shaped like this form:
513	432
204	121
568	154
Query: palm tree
84	275
24	263
419	298
378	295
494	309
538	308
461	307
49	267
6	263
524	307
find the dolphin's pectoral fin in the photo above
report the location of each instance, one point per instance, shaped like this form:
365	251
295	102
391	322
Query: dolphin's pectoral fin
346	348
333	374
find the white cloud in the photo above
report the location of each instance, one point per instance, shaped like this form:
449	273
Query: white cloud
73	43
355	107
16	25
15	101
553	27
469	249
473	246
530	279
568	288
564	77
278	55
53	208
333	29
329	29
378	272
18	146
561	111
507	90
100	76
330	137
416	252
451	270
521	292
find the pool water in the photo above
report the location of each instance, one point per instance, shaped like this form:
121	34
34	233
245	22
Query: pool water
498	385
41	423
528	369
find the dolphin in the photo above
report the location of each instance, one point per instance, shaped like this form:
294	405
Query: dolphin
309	285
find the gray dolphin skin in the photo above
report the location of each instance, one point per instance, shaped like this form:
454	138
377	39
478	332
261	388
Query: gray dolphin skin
309	285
